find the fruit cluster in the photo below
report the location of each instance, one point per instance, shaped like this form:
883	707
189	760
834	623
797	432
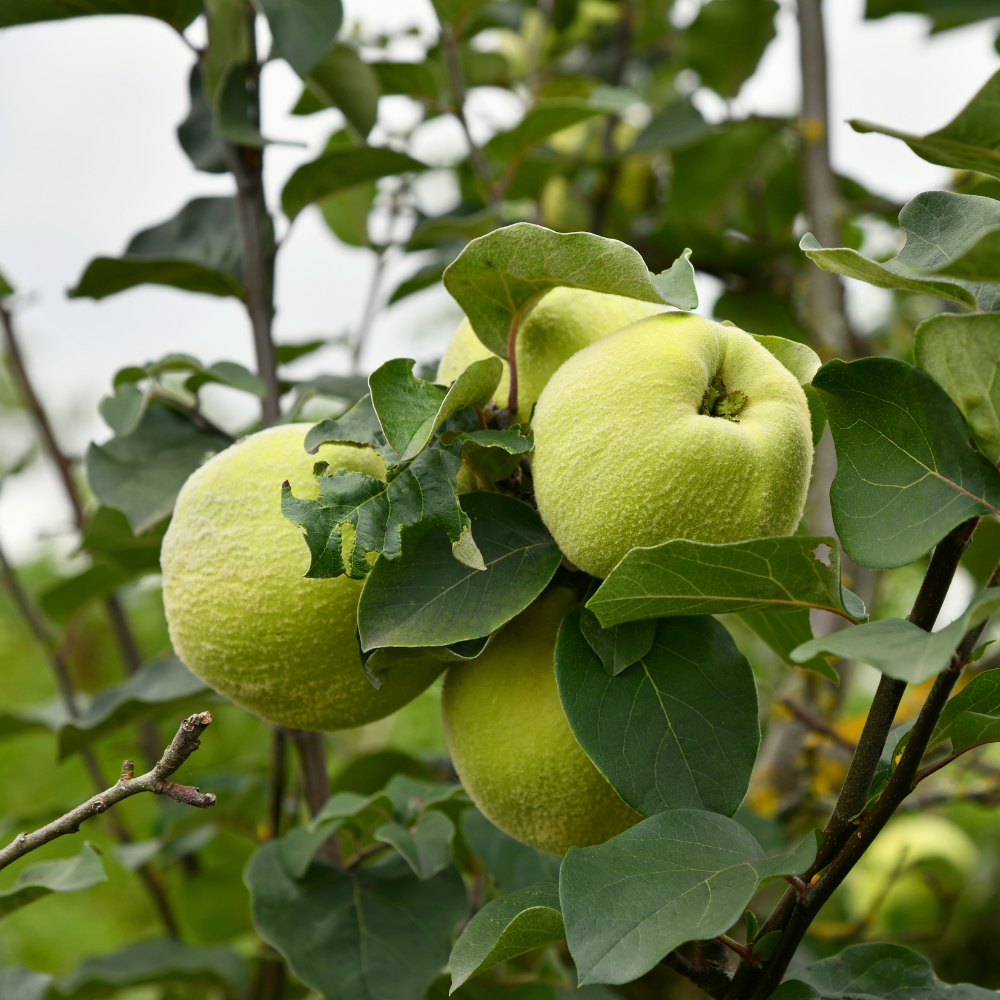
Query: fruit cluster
649	425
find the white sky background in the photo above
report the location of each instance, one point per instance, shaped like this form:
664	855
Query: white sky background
88	157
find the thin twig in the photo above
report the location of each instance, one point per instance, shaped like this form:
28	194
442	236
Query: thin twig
815	722
183	745
449	49
360	338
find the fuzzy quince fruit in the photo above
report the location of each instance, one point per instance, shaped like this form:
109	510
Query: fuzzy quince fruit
241	613
677	427
562	322
511	743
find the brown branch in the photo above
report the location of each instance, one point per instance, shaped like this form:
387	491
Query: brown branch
711	979
183	745
256	235
816	722
312	756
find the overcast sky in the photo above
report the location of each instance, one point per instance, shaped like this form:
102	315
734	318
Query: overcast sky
90	157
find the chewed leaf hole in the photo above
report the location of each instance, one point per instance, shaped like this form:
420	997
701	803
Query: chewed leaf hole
821	553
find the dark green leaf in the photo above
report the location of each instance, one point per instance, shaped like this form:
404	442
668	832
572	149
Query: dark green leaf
899	648
420	490
177	13
160	960
817	413
196	133
620	645
141	473
683	578
228	44
197	250
359	425
415	79
61	601
375	933
676	730
792	989
427	598
72	875
962	354
970	141
426	846
545	118
20	983
302	29
445	229
680	125
429	274
410	410
786	630
233	121
496	277
676	283
972	717
285	354
512	864
766	946
341	79
725	41
505	928
339	169
881	972
368	773
679	876
906	473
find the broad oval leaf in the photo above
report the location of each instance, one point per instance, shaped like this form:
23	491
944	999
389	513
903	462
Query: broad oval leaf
678	729
342	79
972	717
684	578
618	646
428	598
374	933
880	971
302	29
679	876
899	648
177	13
72	875
962	354
906	474
515	923
497	276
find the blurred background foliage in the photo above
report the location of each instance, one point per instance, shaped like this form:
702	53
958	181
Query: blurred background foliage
609	142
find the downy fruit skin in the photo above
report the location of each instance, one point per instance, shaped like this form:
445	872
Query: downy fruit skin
241	613
624	457
511	743
562	322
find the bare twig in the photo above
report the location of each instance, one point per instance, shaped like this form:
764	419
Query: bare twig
312	756
183	745
816	722
360	338
449	49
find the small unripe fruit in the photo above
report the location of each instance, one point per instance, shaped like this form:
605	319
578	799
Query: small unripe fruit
511	743
677	427
562	322
241	613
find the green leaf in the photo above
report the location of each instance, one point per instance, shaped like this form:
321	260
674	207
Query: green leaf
817	413
177	13
63	600
414	79
448	229
5	287
196	133
620	645
880	971
141	473
20	983
160	960
420	490
899	648
233	121
800	359
426	846
678	126
545	118
766	946
497	276
512	864
962	354
970	141
341	79
906	474
792	989
72	875
516	923
359	425
695	578
228	44
340	169
410	410
198	250
374	933
972	717
427	598
684	875
676	730
346	213
725	41
676	284
429	274
302	29
784	631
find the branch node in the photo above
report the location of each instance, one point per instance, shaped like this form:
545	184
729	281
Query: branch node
128	770
98	804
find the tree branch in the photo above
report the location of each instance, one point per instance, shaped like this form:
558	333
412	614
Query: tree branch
449	49
709	978
183	745
816	722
